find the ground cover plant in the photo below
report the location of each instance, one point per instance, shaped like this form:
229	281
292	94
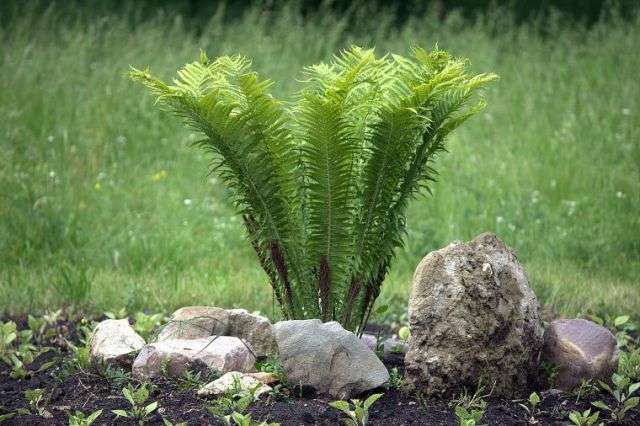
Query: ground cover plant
323	184
49	393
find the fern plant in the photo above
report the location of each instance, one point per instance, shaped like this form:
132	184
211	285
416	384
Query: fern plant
323	182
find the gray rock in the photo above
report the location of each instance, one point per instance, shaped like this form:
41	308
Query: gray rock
328	358
370	340
394	345
473	320
114	341
175	356
194	322
580	349
234	381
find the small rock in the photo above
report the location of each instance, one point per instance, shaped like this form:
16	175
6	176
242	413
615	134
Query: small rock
580	349
474	319
394	345
328	358
175	356
114	341
266	378
234	381
196	322
370	340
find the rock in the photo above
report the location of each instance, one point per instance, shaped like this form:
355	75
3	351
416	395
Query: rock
266	378
394	345
114	341
580	349
253	329
196	322
473	320
175	356
370	340
328	358
235	382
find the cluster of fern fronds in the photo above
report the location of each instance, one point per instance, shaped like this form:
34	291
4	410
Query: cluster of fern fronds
323	183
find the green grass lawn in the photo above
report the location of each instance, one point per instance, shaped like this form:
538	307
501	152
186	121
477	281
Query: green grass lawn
103	204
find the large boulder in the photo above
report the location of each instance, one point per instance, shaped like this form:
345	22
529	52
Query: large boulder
581	350
114	342
195	322
172	357
328	358
473	320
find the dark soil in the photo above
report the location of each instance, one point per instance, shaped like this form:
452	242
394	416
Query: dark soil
89	390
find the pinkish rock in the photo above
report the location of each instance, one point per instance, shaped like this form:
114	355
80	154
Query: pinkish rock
194	322
114	341
580	350
175	356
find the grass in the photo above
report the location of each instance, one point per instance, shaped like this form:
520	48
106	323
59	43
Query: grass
103	204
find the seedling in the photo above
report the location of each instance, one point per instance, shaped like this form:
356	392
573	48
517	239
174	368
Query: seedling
35	398
585	418
358	411
468	417
532	409
621	391
235	399
586	388
244	420
81	419
145	324
137	398
475	401
396	380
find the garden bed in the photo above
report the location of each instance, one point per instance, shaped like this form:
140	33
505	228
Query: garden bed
70	388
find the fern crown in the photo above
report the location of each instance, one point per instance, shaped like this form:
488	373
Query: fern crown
323	183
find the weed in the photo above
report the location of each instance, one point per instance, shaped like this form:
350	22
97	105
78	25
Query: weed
145	324
468	417
357	411
137	399
236	399
244	420
396	380
585	418
532	408
585	389
621	391
81	419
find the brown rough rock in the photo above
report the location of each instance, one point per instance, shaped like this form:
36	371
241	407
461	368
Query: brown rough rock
580	349
473	320
195	322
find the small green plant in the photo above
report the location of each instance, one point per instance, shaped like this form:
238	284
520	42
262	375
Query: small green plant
236	399
81	419
35	399
585	389
585	418
145	324
404	333
396	380
137	398
17	349
245	420
119	314
358	411
476	401
273	365
323	184
468	417
532	408
629	364
116	376
192	380
621	391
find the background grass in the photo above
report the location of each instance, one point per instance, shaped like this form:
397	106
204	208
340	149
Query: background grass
103	204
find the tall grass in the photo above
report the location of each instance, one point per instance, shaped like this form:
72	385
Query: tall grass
103	203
